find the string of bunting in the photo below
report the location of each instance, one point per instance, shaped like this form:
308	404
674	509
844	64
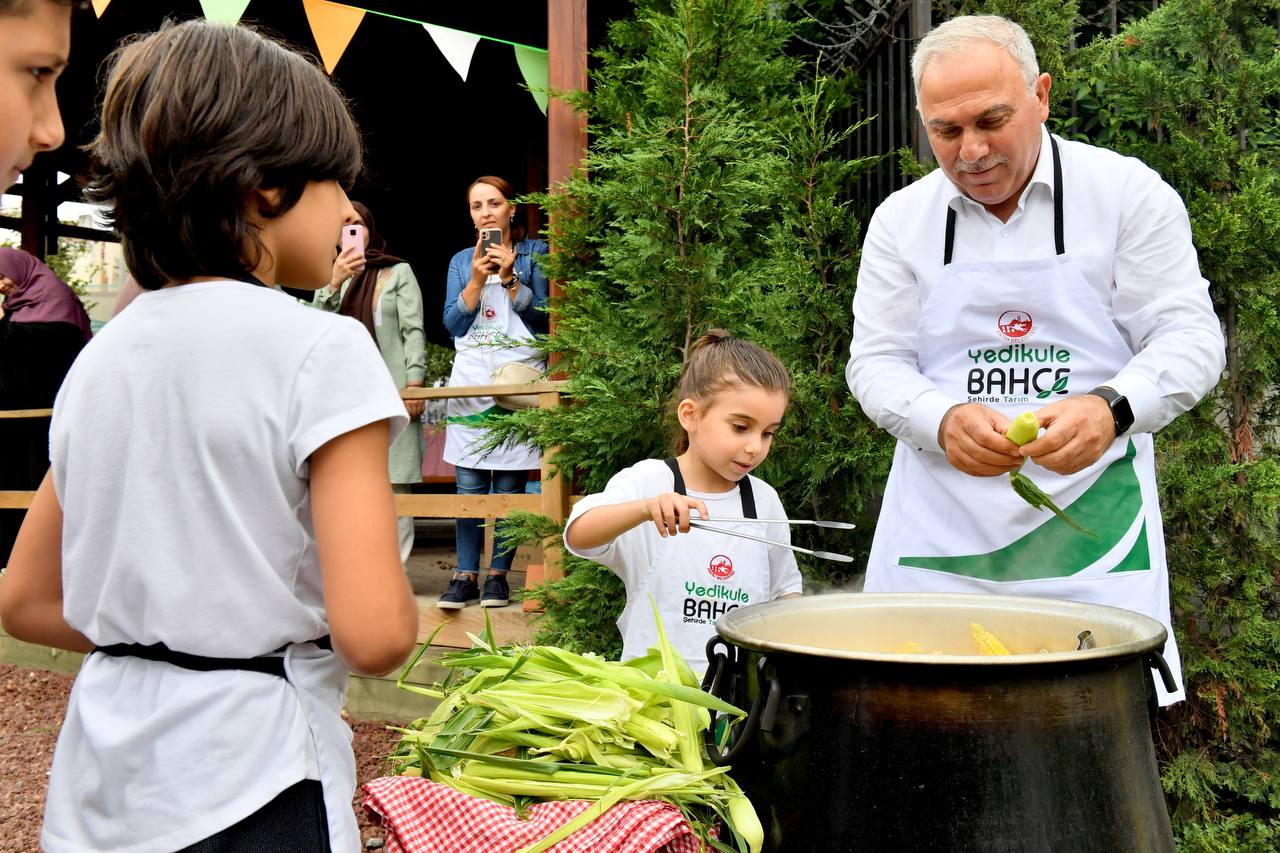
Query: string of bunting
334	24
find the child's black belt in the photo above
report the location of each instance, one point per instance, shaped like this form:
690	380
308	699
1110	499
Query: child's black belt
200	663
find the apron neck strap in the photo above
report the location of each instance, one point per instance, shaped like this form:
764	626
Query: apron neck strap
675	471
1059	242
744	489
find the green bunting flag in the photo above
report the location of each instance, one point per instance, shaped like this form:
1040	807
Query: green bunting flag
533	65
224	11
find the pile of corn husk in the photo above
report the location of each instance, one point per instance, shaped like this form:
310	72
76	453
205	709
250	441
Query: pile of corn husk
525	724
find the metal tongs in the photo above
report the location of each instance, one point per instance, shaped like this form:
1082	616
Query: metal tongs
706	524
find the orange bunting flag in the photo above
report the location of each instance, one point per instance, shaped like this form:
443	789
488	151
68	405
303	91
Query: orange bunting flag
100	6
333	26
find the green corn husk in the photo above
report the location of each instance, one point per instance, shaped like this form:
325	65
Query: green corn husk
1032	494
1024	429
519	725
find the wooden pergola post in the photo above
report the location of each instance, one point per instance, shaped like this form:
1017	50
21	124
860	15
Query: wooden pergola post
566	151
566	71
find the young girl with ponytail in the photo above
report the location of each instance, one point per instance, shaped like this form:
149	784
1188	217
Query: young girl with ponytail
731	399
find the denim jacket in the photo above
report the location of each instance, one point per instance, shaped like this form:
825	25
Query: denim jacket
531	297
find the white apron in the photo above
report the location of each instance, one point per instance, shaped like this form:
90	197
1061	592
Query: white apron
695	578
479	353
320	678
1015	336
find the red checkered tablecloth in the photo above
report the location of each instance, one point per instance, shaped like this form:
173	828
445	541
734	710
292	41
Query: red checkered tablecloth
421	816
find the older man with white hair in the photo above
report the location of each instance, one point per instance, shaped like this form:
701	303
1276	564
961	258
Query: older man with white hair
1027	273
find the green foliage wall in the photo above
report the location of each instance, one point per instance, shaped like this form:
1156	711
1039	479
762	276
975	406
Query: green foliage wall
713	199
1194	90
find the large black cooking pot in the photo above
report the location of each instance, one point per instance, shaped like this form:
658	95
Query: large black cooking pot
853	743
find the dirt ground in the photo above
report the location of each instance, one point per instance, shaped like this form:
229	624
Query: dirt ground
33	703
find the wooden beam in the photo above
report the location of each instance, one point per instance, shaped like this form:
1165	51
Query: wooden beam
566	127
509	624
555	500
463	506
419	506
26	413
39	209
540	388
566	71
79	232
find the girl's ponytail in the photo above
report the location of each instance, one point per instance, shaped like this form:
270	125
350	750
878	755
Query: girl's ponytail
718	360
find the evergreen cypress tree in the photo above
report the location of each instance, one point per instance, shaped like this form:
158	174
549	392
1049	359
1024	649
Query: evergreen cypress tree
711	198
1194	90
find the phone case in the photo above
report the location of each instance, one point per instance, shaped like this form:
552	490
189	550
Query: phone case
351	236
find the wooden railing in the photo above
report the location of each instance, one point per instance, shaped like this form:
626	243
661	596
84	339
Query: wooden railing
553	502
12	499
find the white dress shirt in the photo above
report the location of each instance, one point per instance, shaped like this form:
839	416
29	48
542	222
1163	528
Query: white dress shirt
1125	229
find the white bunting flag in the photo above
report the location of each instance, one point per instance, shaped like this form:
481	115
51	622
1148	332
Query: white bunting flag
458	47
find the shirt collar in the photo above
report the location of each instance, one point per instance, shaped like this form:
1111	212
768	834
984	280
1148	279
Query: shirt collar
1042	175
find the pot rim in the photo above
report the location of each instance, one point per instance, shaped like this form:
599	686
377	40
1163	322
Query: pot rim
1150	635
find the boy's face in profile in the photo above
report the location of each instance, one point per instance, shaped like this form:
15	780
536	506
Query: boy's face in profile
35	41
304	241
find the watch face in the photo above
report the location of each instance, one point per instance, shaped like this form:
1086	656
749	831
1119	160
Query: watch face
1123	414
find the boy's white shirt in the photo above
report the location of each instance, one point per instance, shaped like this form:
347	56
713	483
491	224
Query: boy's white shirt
631	556
179	446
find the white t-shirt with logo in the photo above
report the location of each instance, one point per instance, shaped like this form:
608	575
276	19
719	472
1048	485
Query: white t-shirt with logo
632	556
180	447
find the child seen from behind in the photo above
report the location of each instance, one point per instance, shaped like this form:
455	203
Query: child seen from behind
217	529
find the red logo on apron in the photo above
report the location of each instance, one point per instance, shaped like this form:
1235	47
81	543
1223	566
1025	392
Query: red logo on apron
489	313
721	567
1014	324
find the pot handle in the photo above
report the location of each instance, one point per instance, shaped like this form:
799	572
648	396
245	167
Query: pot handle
764	707
1156	661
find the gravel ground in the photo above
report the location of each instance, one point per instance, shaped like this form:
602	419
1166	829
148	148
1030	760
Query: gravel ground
32	703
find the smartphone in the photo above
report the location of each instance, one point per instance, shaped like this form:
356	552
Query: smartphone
490	237
353	235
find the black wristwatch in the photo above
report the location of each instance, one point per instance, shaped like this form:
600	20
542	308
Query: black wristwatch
1121	412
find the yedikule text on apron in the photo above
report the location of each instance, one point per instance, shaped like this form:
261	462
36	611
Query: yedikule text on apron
1016	336
480	352
695	578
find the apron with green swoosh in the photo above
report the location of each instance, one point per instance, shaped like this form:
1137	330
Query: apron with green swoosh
1016	336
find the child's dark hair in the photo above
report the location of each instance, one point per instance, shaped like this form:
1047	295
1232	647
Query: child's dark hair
718	360
195	117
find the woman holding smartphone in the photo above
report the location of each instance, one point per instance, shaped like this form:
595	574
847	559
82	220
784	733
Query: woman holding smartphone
380	291
496	294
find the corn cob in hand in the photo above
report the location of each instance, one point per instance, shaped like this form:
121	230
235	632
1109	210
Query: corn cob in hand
1025	428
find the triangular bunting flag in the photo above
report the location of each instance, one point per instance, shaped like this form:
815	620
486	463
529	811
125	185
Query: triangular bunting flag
100	6
458	47
533	65
333	25
219	11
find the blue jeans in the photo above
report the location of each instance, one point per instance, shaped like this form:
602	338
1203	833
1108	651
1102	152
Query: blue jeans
475	481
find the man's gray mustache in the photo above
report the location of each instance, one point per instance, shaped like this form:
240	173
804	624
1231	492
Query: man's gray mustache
981	165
